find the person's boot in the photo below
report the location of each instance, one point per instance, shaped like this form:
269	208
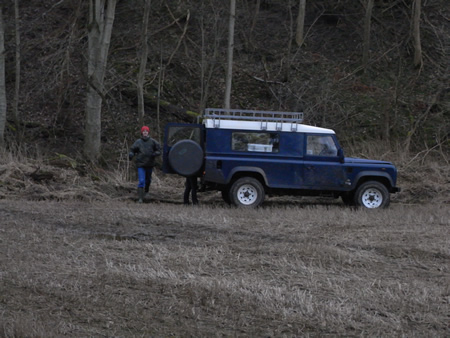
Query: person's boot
140	195
147	188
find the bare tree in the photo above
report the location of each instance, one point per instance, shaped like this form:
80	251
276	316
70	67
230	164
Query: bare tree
254	20
143	62
2	80
229	74
163	67
300	23
366	42
416	33
17	81
209	54
101	19
290	39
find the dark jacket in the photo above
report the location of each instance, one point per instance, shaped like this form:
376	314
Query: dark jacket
145	149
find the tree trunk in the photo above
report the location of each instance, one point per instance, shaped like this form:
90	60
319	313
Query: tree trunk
366	42
229	75
143	62
101	19
416	33
208	63
254	20
2	81
17	81
290	40
300	23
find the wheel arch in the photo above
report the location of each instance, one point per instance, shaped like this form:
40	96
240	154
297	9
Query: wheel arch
364	177
254	172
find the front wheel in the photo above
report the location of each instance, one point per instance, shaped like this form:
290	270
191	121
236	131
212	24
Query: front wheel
372	195
247	192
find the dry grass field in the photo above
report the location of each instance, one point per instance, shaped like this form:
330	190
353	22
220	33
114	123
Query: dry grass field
83	259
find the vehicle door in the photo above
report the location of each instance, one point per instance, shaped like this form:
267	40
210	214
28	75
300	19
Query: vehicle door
323	168
276	155
176	132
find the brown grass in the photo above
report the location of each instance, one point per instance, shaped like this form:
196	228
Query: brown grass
119	269
79	257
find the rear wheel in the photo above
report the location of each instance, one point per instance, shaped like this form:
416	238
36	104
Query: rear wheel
226	196
372	195
247	192
348	199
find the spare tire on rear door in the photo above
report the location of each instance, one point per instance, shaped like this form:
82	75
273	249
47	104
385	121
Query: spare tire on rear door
186	157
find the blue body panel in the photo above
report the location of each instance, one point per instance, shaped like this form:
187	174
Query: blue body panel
279	170
289	167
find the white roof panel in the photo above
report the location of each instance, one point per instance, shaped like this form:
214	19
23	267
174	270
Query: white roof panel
262	125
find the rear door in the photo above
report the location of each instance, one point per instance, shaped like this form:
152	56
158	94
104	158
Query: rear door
175	132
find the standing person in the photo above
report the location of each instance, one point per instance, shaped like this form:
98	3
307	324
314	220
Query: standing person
190	186
145	149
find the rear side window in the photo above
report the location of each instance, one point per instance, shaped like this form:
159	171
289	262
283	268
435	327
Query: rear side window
320	145
183	133
255	142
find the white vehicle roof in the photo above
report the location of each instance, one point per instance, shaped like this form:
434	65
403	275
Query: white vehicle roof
239	119
264	125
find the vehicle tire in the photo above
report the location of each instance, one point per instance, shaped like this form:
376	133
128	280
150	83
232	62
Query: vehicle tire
186	157
247	192
372	195
226	196
348	199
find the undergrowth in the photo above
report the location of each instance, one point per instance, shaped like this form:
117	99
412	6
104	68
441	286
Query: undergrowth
34	174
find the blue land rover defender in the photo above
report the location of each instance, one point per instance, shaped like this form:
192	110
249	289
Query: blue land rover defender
248	154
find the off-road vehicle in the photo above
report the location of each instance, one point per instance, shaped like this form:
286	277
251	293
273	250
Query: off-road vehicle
249	154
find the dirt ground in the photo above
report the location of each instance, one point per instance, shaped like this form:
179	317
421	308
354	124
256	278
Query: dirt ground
104	265
79	257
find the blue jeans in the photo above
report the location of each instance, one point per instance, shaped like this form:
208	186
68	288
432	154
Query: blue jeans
145	177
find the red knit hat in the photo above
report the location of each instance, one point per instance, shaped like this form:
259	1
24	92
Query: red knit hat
145	128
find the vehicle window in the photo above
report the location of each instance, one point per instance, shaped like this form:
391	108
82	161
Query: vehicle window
259	142
183	133
321	145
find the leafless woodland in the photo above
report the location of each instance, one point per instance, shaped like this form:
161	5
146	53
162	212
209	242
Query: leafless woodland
78	256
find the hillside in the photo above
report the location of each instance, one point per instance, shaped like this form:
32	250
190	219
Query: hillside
390	102
78	256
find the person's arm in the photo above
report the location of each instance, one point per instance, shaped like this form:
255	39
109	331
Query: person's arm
156	149
133	150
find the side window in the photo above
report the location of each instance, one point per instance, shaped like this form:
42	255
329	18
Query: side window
321	145
259	142
183	133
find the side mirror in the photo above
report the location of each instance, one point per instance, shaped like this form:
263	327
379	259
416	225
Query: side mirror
340	154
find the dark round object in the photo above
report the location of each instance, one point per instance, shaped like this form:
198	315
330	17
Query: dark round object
186	157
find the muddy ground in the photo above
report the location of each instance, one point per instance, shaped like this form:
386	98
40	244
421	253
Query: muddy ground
79	257
103	265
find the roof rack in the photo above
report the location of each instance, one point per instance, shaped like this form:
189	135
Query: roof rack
264	117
